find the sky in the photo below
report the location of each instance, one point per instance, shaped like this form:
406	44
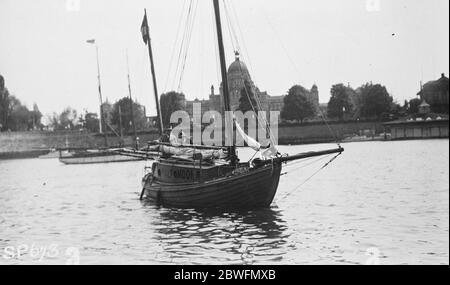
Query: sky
44	56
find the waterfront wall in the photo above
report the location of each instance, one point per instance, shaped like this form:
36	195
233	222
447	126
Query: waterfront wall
18	144
320	132
23	144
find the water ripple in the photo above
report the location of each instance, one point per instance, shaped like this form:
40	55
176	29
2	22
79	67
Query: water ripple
375	196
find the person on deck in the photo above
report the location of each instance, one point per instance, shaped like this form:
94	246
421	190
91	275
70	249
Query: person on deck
165	138
169	137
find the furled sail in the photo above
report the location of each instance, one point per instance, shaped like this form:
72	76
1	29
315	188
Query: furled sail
251	142
189	153
266	152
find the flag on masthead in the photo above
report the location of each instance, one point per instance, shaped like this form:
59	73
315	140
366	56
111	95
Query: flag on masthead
145	29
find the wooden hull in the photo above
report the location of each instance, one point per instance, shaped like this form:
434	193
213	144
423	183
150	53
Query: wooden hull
97	159
255	188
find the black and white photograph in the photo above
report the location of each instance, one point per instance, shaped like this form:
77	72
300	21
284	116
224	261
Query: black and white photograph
246	135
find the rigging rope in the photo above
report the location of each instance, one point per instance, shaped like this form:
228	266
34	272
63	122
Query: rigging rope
258	103
174	46
234	13
279	40
231	30
305	160
187	47
232	33
201	45
258	107
216	51
182	43
184	39
296	69
329	128
189	36
310	177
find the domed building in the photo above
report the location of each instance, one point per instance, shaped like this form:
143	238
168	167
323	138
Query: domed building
237	74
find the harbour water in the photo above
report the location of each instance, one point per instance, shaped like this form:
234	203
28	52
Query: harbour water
378	203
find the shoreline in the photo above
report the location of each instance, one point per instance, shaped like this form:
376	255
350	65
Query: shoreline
28	154
14	145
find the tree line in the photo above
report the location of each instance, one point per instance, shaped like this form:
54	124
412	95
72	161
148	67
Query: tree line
117	118
369	101
15	116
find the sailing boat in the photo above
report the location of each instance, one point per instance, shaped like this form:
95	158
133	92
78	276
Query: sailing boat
99	155
102	155
204	177
93	156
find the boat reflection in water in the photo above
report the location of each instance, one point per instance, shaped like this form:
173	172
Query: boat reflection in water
190	236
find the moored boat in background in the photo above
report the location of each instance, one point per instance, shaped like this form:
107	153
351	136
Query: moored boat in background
94	156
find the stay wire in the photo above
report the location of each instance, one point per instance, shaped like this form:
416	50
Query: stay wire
187	47
258	107
257	99
174	46
279	40
241	34
329	128
216	51
227	18
310	177
187	24
305	165
295	68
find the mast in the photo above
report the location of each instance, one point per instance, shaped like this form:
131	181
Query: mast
223	69
120	125
146	37
102	115
131	102
102	120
